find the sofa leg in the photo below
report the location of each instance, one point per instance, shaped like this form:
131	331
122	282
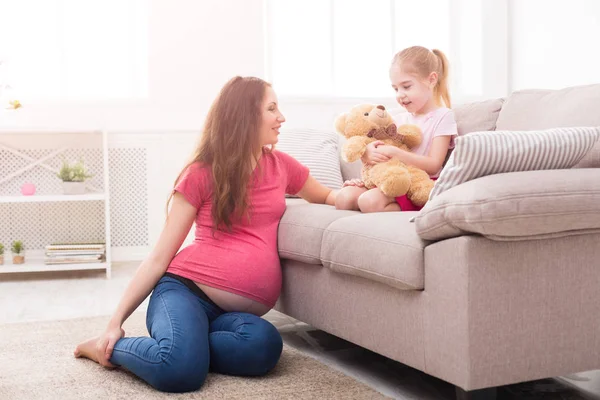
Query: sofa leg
481	394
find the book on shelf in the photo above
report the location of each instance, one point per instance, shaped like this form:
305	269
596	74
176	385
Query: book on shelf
76	246
70	261
75	253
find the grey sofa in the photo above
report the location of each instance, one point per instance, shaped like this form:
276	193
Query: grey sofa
496	282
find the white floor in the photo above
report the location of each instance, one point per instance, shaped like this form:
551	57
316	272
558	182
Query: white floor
53	296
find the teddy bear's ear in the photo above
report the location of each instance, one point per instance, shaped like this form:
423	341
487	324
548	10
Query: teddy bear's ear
340	123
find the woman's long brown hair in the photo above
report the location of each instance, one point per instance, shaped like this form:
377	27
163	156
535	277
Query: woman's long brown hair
229	143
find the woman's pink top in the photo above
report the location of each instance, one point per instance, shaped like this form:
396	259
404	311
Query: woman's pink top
244	261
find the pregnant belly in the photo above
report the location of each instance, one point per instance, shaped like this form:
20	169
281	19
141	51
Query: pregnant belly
232	302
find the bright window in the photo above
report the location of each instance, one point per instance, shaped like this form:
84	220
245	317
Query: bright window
343	48
56	50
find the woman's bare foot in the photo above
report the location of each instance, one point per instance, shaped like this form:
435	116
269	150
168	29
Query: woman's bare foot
87	349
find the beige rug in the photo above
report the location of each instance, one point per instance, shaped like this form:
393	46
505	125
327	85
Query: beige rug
36	362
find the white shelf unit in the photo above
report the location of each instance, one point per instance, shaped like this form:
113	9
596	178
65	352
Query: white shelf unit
34	258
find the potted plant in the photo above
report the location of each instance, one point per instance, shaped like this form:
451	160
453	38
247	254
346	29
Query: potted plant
1	254
18	252
73	177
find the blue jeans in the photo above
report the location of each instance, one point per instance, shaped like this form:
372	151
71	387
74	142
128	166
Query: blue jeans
189	336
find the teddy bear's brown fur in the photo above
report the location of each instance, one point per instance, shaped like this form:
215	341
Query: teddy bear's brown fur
366	123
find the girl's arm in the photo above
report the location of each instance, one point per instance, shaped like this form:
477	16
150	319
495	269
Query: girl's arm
430	163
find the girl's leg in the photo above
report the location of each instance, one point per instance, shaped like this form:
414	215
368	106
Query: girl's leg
176	356
374	200
243	344
347	198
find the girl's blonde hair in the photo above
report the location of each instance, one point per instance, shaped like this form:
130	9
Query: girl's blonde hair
422	62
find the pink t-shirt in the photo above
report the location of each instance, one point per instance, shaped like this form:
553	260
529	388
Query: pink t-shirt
244	261
439	122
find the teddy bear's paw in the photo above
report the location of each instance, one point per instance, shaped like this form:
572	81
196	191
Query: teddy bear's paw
396	184
419	198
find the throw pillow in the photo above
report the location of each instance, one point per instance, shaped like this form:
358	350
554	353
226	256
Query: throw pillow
487	153
318	150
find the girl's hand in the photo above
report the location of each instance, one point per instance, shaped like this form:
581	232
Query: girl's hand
372	156
354	182
387	151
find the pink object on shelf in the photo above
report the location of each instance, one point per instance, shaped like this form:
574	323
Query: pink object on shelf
28	189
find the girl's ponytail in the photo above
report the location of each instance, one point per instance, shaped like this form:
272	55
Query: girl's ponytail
441	89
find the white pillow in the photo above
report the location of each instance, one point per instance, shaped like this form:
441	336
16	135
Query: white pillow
487	153
318	150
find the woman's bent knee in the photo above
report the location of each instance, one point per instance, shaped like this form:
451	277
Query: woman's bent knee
269	349
175	378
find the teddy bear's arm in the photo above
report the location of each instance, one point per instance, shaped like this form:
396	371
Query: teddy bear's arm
411	135
355	147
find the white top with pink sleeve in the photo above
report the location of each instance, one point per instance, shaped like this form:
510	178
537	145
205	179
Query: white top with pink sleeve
439	122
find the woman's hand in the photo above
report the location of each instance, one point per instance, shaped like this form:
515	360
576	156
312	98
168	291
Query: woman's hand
106	343
372	156
354	182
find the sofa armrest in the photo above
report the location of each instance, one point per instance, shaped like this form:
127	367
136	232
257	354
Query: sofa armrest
516	206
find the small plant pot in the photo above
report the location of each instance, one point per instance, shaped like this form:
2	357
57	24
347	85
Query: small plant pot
18	258
74	187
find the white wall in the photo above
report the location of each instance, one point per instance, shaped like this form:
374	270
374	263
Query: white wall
554	43
194	48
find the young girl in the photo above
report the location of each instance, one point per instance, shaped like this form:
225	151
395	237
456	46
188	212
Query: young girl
420	78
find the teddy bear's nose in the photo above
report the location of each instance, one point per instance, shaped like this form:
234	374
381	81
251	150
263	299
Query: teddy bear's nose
381	107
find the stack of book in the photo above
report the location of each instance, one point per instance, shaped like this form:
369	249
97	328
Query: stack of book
75	253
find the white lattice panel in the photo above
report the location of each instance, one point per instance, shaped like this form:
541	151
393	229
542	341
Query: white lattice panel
46	181
39	224
128	196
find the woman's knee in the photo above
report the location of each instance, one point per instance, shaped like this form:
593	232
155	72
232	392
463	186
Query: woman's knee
179	377
260	342
183	366
269	345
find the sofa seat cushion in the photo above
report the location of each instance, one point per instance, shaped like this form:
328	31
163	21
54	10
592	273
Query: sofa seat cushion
382	247
516	206
301	229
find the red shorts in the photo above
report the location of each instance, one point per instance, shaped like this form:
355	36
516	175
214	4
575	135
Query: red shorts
407	205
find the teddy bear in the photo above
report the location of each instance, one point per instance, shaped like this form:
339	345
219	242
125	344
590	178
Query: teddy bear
366	123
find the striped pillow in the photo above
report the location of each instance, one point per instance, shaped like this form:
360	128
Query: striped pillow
487	153
318	150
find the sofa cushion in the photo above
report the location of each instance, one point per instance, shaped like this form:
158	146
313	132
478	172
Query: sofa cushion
486	153
318	150
543	109
301	229
382	247
477	117
516	206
